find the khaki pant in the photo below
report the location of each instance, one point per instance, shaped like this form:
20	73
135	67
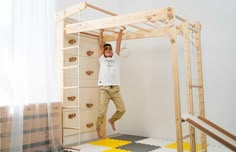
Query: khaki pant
106	94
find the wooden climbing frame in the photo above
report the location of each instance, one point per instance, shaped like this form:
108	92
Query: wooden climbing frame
146	24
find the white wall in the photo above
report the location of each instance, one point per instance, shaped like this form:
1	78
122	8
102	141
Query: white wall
147	75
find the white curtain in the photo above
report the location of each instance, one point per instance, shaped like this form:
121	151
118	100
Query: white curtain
28	66
34	58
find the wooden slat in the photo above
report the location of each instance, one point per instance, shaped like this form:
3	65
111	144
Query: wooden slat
218	128
209	130
100	9
195	86
116	21
90	34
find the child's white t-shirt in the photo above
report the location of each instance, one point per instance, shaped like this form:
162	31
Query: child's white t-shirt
109	73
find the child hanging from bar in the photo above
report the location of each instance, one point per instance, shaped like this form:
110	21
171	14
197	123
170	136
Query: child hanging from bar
109	82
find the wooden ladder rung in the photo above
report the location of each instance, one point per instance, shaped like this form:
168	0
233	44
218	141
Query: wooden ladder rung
70	47
75	128
72	87
196	86
186	136
71	148
70	67
70	107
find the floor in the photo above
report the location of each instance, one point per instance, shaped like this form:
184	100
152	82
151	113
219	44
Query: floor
130	143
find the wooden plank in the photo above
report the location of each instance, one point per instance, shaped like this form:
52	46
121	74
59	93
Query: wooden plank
114	14
189	83
116	21
90	34
209	130
217	127
175	71
200	80
70	11
100	9
60	56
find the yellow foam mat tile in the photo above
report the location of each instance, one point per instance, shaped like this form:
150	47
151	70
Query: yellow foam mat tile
116	150
186	146
113	143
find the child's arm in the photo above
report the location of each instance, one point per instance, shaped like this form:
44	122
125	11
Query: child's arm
118	42
100	41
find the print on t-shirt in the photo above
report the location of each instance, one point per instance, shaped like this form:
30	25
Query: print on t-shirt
109	62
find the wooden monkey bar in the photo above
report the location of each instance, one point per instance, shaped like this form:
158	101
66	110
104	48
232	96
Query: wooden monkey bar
158	23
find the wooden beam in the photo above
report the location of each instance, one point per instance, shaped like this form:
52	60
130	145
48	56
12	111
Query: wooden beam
71	10
178	120
200	80
116	21
189	82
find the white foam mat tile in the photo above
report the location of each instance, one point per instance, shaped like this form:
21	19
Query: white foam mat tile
155	142
91	148
217	149
164	150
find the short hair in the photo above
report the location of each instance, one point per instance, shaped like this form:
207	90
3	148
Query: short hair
107	44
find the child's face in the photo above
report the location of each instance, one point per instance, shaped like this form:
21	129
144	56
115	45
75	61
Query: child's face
108	51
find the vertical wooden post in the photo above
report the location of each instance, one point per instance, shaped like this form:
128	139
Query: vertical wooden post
60	45
189	83
178	119
78	76
197	25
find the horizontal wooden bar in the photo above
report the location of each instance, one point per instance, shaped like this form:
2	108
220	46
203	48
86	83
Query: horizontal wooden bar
70	107
196	86
187	136
89	34
71	148
116	21
71	47
72	87
100	9
74	128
